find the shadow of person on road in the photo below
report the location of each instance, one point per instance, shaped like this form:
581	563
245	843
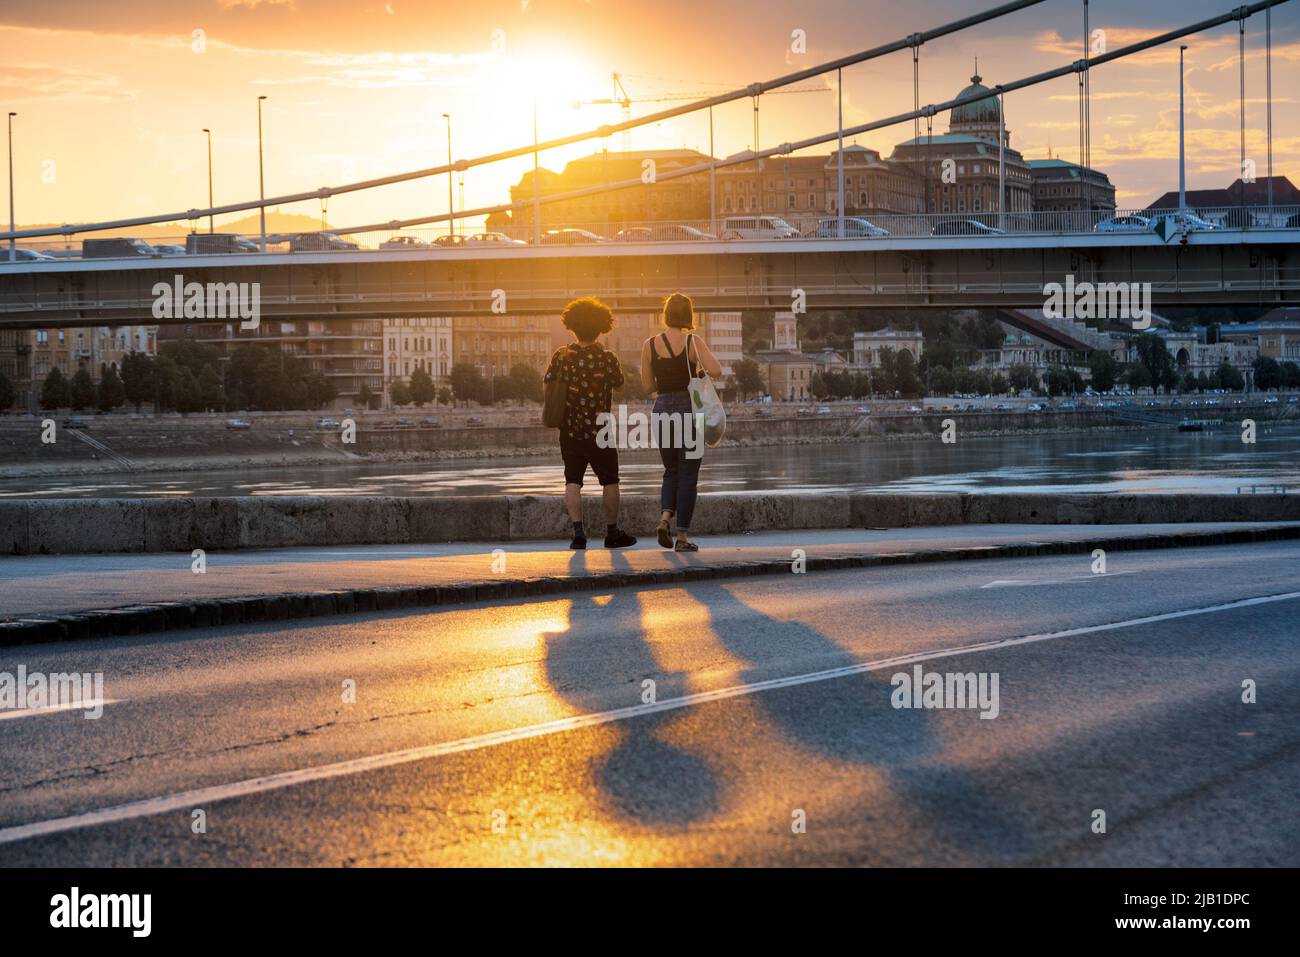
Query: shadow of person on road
642	777
852	719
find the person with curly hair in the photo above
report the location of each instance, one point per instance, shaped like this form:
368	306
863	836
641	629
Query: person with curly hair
589	373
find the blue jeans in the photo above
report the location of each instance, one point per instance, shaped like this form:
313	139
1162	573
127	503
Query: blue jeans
681	474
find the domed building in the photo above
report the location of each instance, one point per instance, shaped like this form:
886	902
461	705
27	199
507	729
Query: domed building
960	167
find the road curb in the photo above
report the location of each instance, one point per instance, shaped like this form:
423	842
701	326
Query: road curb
292	606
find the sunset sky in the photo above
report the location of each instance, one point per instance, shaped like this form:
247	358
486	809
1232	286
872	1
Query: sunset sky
112	94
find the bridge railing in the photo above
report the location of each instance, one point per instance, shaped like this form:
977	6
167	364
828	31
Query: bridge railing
740	226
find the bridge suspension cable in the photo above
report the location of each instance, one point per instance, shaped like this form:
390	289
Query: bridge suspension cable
602	132
926	112
754	90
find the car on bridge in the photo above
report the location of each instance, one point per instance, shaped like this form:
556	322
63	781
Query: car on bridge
315	242
117	247
199	244
571	237
404	242
26	256
965	227
757	227
634	234
1183	222
678	233
855	227
169	249
1124	224
492	239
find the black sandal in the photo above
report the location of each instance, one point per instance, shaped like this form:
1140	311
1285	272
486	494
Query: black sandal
664	533
686	547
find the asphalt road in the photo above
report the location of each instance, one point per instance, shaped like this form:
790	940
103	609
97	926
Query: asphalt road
521	733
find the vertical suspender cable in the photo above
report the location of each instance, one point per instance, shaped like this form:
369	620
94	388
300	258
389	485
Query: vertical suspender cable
1268	93
916	88
1241	66
713	180
1084	188
839	203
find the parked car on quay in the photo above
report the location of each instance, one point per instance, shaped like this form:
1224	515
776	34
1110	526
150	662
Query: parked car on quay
327	423
238	425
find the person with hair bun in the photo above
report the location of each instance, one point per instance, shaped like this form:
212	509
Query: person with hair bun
668	362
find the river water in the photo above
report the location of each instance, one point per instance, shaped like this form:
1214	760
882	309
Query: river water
1155	460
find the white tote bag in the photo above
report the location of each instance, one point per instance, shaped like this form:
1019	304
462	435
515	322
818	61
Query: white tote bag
705	401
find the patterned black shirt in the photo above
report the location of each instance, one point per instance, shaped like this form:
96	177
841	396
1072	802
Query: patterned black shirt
590	373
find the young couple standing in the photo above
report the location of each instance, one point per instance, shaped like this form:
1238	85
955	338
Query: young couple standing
589	374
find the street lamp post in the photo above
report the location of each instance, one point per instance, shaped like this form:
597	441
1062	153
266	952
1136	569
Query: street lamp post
13	248
210	203
451	206
261	181
1182	152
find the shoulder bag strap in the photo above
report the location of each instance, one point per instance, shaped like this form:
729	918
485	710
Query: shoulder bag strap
697	368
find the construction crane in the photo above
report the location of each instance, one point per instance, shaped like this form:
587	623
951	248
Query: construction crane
624	101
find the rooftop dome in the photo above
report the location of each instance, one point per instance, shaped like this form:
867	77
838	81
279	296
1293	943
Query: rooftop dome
980	112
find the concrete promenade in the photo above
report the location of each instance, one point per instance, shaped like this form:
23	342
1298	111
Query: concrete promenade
57	598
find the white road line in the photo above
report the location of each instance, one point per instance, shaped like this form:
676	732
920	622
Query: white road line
1023	582
187	800
8	713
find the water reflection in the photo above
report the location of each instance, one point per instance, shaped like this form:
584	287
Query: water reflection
1157	461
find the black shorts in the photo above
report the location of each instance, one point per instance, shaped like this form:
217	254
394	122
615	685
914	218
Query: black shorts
579	453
